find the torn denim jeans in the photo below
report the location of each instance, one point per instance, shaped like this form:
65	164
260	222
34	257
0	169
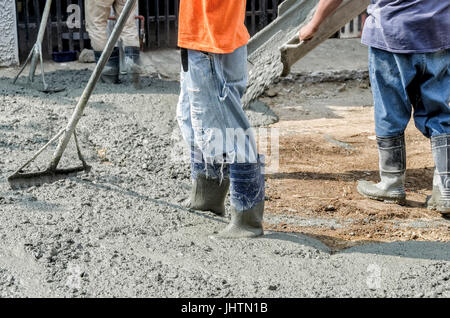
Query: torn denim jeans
218	171
247	184
209	110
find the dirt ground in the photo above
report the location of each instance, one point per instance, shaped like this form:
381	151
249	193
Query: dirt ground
325	148
121	230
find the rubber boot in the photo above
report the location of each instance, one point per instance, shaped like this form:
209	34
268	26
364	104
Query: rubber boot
132	66
247	201
392	162
440	199
210	184
433	199
110	73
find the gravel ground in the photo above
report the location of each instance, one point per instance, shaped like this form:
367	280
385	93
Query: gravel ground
120	230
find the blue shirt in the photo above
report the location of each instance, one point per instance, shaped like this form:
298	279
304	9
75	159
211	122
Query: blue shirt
408	26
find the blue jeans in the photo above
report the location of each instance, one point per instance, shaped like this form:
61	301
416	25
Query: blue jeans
209	111
401	82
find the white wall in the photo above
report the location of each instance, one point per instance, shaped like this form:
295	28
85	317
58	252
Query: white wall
9	50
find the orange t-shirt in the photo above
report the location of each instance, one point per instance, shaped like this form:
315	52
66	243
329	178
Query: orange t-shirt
215	26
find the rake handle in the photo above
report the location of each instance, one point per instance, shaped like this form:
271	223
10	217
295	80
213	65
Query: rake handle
37	49
91	84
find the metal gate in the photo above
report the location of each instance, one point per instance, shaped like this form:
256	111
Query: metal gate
66	29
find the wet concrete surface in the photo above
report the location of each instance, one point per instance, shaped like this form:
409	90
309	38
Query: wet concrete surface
121	231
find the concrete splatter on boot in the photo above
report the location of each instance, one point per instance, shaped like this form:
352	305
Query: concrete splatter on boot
440	199
132	65
435	196
392	162
244	224
208	195
247	201
210	184
110	73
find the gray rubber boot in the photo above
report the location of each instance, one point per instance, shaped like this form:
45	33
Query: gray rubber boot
210	184
440	199
132	65
392	162
247	201
208	195
244	224
110	73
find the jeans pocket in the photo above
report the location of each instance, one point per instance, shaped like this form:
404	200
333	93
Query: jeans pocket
201	71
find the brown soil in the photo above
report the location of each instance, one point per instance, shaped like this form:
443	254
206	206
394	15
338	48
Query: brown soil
318	173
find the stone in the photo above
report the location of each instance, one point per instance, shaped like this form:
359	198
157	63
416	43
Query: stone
341	88
271	92
86	56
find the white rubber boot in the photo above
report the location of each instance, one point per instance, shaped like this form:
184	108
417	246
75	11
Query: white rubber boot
392	162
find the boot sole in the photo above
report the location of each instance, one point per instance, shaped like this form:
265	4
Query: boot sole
443	211
218	213
235	236
433	206
109	81
399	201
430	205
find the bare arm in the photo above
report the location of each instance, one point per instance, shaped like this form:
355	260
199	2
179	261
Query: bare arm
324	10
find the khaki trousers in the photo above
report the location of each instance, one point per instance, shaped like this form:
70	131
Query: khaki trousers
97	14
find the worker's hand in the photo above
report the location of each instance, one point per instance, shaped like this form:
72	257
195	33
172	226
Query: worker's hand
307	32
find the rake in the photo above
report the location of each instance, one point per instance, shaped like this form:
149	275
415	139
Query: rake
35	55
20	179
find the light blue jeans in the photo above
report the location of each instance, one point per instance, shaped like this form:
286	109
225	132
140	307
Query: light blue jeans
209	111
403	82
